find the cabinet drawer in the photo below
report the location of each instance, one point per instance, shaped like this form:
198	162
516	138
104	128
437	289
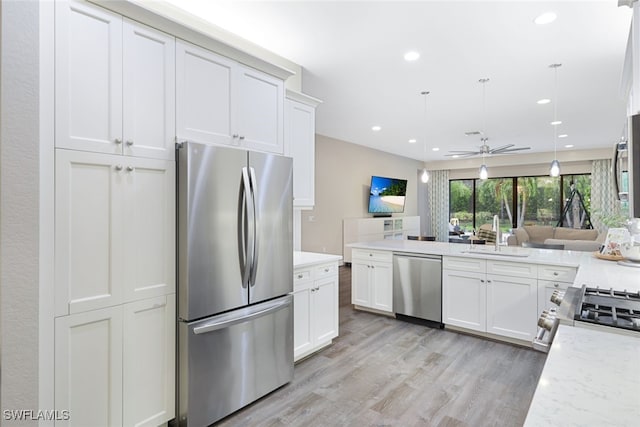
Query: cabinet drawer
517	269
301	276
464	264
325	270
559	273
365	255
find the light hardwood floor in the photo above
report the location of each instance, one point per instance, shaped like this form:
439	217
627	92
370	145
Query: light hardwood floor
385	372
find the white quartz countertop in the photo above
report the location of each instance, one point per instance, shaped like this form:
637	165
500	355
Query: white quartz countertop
590	378
592	271
305	259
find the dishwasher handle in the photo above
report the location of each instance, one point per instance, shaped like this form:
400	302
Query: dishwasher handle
420	256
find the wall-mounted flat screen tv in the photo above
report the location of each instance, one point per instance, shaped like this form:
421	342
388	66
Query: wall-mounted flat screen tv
387	195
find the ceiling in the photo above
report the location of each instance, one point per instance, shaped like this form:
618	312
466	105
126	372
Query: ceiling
352	54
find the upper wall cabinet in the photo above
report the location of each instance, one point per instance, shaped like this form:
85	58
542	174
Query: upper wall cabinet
300	143
115	84
222	102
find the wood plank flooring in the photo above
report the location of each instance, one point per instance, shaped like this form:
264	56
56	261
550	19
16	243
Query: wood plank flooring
385	372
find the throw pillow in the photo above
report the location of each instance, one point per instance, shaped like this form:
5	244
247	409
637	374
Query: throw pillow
487	235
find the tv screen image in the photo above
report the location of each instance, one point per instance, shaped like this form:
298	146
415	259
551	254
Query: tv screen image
387	195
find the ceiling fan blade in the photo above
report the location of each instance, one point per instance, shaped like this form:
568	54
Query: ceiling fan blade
509	150
493	150
463	154
463	151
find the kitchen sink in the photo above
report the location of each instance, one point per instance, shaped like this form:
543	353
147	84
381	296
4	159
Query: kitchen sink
504	251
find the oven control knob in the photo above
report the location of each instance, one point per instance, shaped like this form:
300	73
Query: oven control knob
557	297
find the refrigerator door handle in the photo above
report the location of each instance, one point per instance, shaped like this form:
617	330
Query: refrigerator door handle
256	225
226	321
247	241
616	177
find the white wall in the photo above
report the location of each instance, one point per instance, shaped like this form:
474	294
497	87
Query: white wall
19	205
342	179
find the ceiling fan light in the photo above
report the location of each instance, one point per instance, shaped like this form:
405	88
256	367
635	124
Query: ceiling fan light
484	172
425	176
554	169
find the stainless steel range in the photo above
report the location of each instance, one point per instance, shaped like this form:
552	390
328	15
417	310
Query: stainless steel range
617	311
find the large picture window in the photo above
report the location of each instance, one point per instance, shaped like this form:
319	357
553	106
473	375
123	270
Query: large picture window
518	201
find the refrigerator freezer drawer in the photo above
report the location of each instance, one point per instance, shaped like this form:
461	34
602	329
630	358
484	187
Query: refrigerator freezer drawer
228	361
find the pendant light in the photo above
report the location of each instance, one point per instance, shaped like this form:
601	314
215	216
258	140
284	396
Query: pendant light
484	172
425	173
554	168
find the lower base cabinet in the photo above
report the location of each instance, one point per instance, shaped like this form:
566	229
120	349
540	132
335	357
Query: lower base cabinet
315	307
115	366
372	280
474	297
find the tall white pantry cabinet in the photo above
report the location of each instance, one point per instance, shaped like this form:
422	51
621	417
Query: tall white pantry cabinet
114	219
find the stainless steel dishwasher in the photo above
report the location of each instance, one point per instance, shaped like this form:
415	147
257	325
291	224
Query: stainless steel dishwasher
417	288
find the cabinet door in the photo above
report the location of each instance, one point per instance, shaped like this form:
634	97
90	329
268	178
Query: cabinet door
88	78
382	286
300	139
203	95
149	361
148	243
512	306
149	92
464	299
325	310
546	288
88	227
260	109
88	367
360	288
302	334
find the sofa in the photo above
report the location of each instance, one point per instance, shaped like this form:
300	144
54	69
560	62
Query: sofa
573	239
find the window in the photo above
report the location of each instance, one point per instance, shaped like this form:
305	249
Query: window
517	201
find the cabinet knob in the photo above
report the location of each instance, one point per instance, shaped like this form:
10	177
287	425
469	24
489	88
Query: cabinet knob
118	167
481	280
555	273
317	288
370	254
234	136
118	141
241	137
130	168
129	143
555	285
326	270
299	276
488	281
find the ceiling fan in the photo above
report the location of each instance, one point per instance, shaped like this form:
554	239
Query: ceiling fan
485	150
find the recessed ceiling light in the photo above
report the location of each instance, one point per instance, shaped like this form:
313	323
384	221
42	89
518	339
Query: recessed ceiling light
411	56
564	135
375	128
545	18
568	146
412	141
435	149
556	123
543	101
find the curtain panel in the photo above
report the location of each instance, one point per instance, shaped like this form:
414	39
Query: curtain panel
438	204
604	201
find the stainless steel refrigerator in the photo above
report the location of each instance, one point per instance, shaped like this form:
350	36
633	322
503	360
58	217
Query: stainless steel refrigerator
235	276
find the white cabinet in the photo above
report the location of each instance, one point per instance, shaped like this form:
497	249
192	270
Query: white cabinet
115	366
149	361
552	278
299	143
512	306
372	229
115	84
115	230
315	296
222	102
495	297
464	299
88	367
372	280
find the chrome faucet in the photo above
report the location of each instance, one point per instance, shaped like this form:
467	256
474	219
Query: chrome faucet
496	228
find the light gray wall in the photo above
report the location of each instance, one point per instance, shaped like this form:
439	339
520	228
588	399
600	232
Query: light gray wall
19	206
342	180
